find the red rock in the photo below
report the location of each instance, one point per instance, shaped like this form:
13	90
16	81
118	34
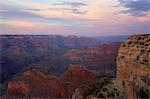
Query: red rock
19	88
38	84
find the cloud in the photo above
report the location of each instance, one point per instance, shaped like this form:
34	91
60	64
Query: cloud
10	12
68	10
87	17
136	7
74	7
35	9
75	4
64	7
77	11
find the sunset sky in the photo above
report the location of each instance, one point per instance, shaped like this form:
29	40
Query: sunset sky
75	17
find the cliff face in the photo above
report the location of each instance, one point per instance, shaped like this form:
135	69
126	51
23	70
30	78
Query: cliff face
102	58
133	67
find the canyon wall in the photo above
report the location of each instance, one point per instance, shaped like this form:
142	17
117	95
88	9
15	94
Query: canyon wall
133	74
133	66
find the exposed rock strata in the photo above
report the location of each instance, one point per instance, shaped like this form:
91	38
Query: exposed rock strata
133	73
133	66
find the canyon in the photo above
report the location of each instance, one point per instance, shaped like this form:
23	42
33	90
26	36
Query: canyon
55	64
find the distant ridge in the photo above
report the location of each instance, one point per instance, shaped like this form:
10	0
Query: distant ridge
107	39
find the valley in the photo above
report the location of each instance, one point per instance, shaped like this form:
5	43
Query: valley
64	63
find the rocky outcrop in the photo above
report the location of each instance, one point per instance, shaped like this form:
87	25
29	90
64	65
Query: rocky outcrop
36	84
106	88
79	75
133	67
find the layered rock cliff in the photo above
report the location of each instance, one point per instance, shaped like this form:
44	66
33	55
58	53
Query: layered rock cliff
133	66
133	74
102	58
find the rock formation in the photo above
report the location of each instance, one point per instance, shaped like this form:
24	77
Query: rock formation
133	72
36	84
133	66
102	59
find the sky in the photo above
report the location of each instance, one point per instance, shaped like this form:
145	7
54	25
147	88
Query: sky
75	17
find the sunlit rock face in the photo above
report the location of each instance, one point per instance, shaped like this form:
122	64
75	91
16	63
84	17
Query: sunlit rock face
133	65
134	57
